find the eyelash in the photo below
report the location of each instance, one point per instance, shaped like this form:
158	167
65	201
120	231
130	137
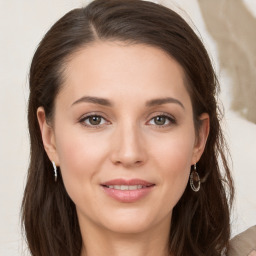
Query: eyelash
170	118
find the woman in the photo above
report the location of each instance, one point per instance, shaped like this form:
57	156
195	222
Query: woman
125	137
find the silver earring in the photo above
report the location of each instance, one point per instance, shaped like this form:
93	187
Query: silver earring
55	171
195	180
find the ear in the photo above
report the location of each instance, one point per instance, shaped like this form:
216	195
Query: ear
201	138
48	136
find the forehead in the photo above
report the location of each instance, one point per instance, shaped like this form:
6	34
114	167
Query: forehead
115	69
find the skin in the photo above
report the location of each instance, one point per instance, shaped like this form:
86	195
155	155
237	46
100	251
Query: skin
129	143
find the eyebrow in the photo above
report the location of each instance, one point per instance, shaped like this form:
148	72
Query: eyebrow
108	103
162	101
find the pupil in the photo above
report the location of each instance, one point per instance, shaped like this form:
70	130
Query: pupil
95	120
160	120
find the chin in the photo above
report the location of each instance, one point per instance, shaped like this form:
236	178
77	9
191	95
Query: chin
131	227
130	222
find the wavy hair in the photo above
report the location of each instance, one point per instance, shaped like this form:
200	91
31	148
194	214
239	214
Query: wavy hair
200	221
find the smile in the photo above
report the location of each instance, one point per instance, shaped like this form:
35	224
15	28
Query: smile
127	191
125	187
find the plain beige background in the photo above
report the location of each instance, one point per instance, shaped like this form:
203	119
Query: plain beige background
22	25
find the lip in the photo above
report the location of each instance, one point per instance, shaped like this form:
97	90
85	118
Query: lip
127	182
127	196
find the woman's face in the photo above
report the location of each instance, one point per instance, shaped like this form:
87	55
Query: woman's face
123	136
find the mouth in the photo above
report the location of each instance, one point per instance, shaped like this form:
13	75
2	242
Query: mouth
127	191
127	187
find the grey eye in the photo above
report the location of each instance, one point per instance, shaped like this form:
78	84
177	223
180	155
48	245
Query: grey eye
93	120
160	120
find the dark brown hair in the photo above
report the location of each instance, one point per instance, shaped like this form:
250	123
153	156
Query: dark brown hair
200	221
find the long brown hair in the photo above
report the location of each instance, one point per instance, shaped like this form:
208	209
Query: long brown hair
200	221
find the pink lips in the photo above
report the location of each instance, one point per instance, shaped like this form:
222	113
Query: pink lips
127	191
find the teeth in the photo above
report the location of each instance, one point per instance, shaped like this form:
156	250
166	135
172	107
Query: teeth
126	187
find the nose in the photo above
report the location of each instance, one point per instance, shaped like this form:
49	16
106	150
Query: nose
128	148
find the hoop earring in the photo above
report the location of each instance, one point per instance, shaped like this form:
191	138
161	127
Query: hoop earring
194	177
55	171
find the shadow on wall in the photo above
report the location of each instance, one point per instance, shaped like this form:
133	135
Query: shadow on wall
233	28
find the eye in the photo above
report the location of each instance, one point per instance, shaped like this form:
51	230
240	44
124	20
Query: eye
93	121
162	120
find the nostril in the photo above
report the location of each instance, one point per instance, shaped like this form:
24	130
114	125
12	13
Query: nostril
138	163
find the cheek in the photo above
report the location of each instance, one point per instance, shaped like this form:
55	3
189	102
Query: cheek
174	163
175	152
80	157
